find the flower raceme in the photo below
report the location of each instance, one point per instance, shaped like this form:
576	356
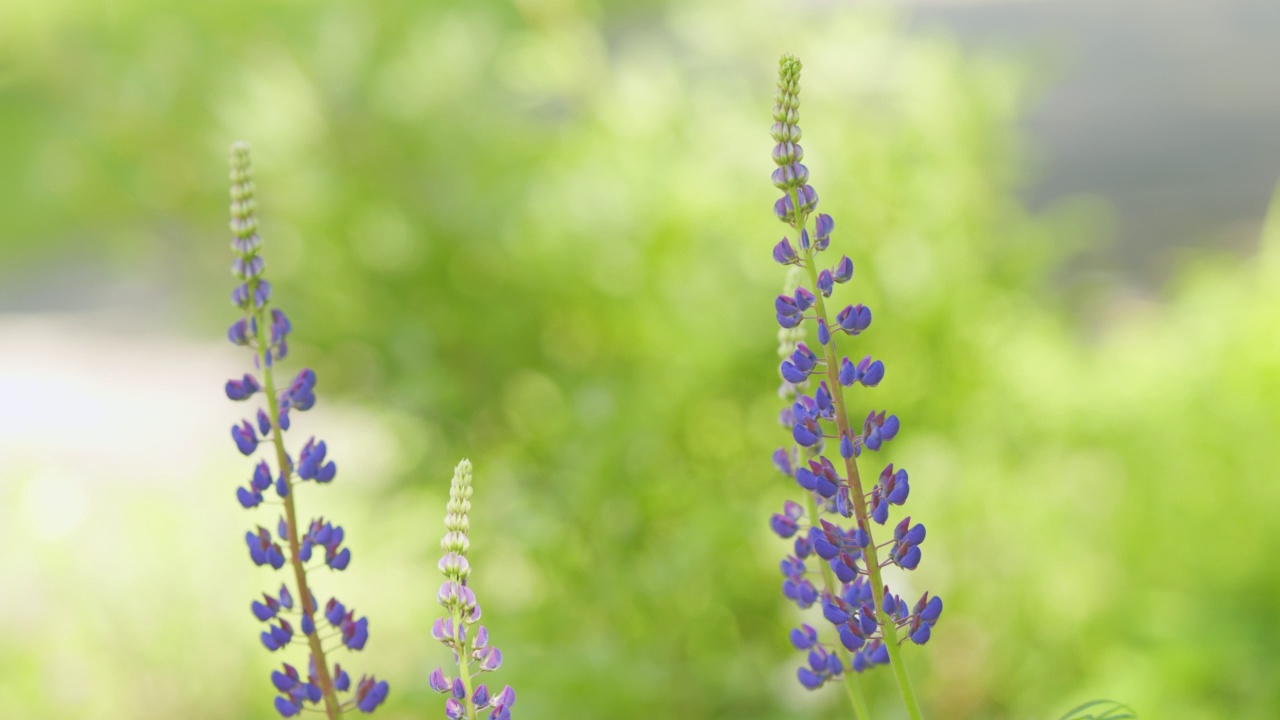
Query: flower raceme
459	630
265	330
836	563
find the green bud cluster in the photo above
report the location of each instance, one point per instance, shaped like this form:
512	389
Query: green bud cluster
787	152
244	206
456	521
786	106
248	264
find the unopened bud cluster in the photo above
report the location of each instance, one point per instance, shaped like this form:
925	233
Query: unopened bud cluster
457	521
244	219
791	177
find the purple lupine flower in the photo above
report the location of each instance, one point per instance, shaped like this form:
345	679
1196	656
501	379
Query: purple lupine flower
854	319
277	636
784	253
272	605
796	587
246	440
238	333
265	330
294	692
843	271
354	633
804	637
312	465
329	537
341	679
370	693
923	617
787	522
863	617
892	489
867	372
243	388
878	429
463	615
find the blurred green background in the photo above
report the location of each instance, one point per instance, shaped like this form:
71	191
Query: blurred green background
537	234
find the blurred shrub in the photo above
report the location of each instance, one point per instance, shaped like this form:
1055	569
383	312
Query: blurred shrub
537	234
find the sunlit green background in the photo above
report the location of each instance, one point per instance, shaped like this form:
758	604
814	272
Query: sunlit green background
536	234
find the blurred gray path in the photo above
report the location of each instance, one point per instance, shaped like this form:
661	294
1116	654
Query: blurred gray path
1168	109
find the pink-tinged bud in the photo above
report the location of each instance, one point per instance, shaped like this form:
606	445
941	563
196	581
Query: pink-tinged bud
448	593
440	631
239	333
784	253
438	681
823	226
843	271
492	660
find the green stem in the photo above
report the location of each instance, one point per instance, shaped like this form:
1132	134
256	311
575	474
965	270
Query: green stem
331	704
464	669
856	697
888	628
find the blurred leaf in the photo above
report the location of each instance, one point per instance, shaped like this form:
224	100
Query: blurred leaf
1108	708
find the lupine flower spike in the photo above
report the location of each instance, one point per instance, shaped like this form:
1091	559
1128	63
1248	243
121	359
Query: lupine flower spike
459	630
833	529
264	329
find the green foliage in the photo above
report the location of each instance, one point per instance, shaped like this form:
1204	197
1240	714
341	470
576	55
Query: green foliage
538	235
